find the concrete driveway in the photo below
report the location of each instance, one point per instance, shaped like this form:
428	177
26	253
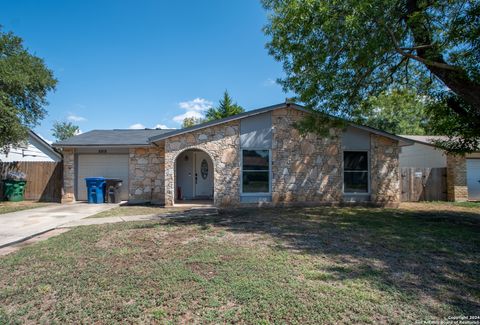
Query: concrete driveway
20	225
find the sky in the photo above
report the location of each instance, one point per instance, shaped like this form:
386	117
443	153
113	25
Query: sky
135	64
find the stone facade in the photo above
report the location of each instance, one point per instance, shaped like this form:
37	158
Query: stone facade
304	168
222	144
384	170
146	171
457	178
68	190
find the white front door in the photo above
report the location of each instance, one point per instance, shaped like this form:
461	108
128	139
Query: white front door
203	178
473	179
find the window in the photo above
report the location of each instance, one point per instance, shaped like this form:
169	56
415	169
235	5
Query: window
255	171
355	172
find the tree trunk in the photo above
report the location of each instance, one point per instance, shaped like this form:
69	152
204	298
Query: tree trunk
457	80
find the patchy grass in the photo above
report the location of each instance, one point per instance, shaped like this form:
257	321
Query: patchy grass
290	265
7	206
135	210
467	204
436	205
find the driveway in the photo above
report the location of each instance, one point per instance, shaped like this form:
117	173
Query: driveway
20	225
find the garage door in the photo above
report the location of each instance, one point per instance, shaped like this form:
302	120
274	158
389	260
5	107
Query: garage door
473	179
111	166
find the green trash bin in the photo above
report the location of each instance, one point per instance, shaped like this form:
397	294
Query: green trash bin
14	190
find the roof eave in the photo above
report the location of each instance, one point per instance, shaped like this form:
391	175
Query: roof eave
46	144
403	142
101	145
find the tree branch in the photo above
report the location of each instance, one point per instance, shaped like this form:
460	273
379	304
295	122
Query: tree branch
415	57
416	47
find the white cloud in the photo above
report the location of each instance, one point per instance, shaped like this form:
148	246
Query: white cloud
194	108
75	118
270	82
197	105
137	126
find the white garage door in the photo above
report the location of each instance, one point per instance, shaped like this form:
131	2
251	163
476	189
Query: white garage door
109	166
473	179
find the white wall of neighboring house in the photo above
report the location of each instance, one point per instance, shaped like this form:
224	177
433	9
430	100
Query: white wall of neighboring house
422	156
33	150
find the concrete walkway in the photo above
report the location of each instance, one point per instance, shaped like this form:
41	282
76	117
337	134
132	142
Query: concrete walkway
21	225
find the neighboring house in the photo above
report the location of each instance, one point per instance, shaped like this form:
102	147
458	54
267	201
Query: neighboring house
34	149
463	172
257	157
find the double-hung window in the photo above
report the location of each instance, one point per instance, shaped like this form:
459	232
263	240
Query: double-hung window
355	172
255	171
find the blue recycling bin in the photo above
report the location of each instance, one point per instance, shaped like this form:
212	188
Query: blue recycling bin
95	189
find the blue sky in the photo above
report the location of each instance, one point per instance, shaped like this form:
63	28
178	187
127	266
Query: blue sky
146	63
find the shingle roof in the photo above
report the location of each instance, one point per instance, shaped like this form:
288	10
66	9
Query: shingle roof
426	139
146	137
117	137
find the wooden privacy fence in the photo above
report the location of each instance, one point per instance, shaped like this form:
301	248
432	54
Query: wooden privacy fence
44	179
423	184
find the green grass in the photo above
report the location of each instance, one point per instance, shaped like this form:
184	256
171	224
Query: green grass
264	266
7	207
135	210
467	204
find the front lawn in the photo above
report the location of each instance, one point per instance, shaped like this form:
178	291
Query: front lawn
7	206
295	265
136	210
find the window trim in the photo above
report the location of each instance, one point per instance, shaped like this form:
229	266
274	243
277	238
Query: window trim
368	171
242	193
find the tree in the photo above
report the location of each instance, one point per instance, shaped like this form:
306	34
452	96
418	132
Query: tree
191	121
226	107
64	130
336	54
24	84
399	111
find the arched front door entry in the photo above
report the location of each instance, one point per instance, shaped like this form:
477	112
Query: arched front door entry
194	176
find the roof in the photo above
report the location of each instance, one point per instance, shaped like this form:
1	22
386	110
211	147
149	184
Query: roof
46	145
145	137
403	141
112	138
426	139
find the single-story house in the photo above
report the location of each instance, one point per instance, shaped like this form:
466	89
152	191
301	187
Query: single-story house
462	171
33	149
256	157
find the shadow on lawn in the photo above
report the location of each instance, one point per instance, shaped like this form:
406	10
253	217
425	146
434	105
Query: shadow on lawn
424	254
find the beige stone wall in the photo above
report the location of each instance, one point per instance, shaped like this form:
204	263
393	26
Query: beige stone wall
457	178
304	169
68	190
147	170
222	144
384	167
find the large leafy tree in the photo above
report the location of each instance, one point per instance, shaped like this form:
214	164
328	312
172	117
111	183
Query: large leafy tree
24	84
336	54
398	111
226	107
64	130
